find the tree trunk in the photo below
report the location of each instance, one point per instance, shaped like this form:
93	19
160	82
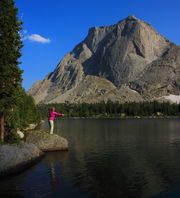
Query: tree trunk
2	127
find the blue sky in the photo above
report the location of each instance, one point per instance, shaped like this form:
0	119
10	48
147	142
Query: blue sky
53	27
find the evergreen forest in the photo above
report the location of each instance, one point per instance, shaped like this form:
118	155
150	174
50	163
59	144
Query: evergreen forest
111	109
17	109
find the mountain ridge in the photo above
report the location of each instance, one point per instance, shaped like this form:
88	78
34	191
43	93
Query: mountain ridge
119	56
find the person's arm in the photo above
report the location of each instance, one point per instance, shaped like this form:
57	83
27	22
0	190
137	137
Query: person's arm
60	114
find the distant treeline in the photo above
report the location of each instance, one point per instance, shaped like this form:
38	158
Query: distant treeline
111	109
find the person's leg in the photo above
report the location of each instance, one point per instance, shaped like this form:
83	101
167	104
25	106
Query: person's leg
52	126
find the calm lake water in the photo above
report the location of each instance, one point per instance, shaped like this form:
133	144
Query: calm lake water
107	158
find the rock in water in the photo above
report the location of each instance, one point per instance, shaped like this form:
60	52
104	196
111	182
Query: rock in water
15	158
127	61
47	142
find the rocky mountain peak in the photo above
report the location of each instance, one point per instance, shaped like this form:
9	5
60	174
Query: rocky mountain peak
132	17
120	52
116	55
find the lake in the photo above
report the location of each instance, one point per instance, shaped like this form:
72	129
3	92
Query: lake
107	158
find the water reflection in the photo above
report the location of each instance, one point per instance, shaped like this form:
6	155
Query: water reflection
129	158
54	179
109	158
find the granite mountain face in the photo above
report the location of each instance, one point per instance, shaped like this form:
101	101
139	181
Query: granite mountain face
128	61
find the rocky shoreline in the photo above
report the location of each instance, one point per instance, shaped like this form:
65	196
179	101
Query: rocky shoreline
17	157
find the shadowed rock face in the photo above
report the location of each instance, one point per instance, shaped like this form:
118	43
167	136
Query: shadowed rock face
161	77
127	55
122	51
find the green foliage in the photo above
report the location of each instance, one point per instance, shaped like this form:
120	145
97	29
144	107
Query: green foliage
10	42
10	73
1	142
23	114
26	111
110	109
11	134
18	108
10	127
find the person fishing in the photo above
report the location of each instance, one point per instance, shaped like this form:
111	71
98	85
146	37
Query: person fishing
52	115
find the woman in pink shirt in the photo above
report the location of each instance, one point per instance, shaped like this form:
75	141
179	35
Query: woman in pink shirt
51	118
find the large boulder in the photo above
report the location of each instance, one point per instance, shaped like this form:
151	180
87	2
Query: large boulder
46	141
15	158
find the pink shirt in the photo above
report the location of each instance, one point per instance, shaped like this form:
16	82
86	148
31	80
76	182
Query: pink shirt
52	115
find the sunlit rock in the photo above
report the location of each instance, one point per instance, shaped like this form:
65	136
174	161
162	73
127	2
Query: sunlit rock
46	141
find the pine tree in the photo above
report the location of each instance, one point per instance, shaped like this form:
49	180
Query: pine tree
10	73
